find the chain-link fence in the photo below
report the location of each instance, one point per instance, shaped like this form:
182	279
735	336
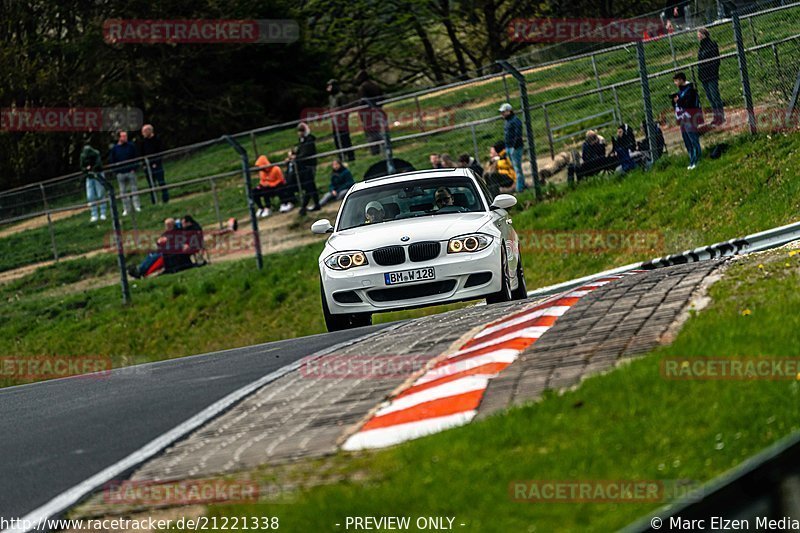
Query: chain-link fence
595	90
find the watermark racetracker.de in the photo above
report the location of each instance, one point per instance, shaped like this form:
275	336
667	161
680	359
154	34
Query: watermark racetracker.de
54	366
180	492
554	30
730	368
604	490
70	119
591	241
200	31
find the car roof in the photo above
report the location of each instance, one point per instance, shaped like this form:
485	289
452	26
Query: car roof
414	176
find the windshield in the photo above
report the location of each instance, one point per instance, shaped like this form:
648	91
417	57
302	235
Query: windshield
397	201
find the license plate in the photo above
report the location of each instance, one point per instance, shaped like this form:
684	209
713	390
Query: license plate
409	276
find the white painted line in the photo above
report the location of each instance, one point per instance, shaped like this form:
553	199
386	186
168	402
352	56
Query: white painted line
381	437
73	495
554	310
499	356
525	333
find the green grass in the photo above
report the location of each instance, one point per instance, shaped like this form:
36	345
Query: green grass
753	187
630	424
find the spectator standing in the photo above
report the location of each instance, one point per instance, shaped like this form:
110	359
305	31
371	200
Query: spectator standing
689	116
92	166
271	183
373	118
126	174
306	160
708	73
341	181
339	120
149	146
512	135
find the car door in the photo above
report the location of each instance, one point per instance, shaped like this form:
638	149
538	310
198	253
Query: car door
501	219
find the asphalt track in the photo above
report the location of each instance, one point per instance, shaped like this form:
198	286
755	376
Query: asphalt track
56	434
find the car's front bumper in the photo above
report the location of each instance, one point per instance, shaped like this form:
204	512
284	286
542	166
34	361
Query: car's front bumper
463	276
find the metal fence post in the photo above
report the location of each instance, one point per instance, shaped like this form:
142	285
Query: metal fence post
150	183
419	114
249	194
549	131
216	201
597	78
523	94
474	142
648	105
505	88
743	72
123	273
793	101
253	141
387	139
49	222
616	104
672	50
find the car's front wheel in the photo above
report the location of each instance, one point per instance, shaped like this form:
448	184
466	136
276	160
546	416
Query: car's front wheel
505	293
521	292
346	321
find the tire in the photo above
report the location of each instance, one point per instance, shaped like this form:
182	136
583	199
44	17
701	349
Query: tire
504	294
521	292
341	322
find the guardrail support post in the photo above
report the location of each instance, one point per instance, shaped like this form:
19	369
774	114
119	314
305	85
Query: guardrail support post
523	94
49	222
597	78
249	194
648	105
475	142
216	201
549	131
793	101
123	273
150	183
743	72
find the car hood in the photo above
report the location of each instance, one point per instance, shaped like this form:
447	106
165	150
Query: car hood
428	228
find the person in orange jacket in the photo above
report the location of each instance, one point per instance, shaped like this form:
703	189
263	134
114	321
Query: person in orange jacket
270	183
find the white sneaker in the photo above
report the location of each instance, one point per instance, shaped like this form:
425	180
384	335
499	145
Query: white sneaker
692	167
93	219
138	209
259	213
267	212
285	208
125	212
103	216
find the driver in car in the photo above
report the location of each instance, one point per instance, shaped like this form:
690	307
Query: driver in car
374	212
443	198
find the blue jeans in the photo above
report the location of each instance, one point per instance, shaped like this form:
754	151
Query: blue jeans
515	154
692	141
95	192
712	92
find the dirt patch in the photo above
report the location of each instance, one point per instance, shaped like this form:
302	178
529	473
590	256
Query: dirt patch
37	222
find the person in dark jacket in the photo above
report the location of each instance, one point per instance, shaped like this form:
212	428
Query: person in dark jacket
91	167
622	145
126	173
339	120
465	161
341	181
659	147
689	115
708	72
512	135
149	146
373	118
593	159
306	160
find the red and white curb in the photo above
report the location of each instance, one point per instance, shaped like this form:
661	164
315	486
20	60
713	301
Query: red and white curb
448	395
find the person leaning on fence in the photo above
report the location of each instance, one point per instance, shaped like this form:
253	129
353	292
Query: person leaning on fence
306	160
341	181
659	147
689	116
499	173
91	167
126	173
339	120
512	136
271	184
149	146
708	73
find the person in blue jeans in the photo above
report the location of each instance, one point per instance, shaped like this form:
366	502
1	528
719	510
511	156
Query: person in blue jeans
708	72
91	167
689	115
512	135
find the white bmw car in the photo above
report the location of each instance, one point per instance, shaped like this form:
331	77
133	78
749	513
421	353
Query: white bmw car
417	239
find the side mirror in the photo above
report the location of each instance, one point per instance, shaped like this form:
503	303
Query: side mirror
504	201
321	227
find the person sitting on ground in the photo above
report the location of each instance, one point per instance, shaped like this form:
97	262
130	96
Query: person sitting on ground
447	161
659	147
623	147
465	161
341	181
593	158
374	212
499	173
271	183
154	261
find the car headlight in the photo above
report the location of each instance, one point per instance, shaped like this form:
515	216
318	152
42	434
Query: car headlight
346	260
468	243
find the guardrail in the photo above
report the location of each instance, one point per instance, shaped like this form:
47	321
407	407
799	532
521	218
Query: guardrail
756	242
